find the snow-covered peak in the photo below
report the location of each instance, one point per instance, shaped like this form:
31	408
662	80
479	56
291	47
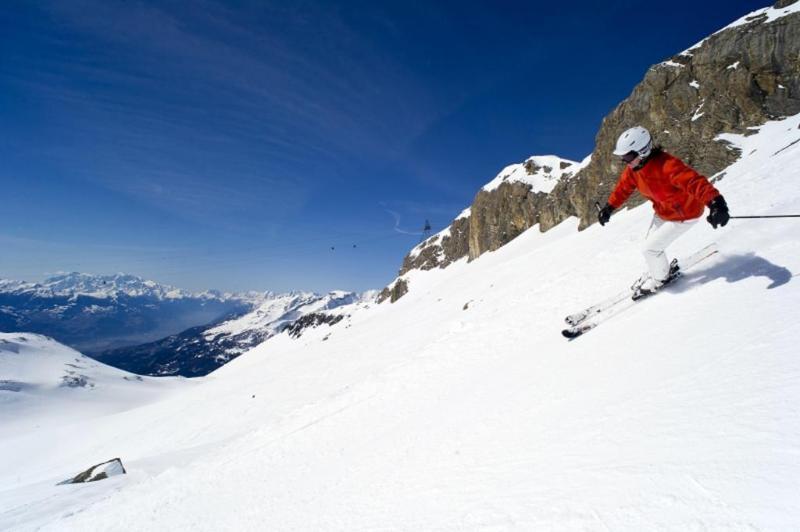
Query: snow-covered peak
75	284
541	172
107	285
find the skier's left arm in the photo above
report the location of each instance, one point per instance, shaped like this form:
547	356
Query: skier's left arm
700	188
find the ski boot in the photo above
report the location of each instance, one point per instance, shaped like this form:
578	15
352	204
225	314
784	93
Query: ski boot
647	286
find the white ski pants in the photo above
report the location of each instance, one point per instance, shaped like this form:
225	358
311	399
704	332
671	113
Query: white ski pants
661	234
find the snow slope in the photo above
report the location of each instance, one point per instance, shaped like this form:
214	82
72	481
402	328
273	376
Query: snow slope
460	407
44	383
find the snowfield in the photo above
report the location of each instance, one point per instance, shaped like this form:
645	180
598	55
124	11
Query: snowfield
461	407
44	383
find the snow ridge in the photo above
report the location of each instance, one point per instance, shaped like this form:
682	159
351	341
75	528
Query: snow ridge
541	172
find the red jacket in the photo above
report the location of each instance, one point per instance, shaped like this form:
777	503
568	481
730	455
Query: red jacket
677	191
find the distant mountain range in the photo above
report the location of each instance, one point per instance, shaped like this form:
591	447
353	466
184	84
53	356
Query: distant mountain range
200	350
93	313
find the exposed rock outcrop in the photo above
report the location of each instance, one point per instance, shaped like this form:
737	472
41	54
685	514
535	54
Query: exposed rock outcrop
500	215
738	78
309	321
97	472
442	249
394	291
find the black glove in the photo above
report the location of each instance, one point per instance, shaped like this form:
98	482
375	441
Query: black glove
719	212
604	214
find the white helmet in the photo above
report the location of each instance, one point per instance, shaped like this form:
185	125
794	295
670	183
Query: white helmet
635	139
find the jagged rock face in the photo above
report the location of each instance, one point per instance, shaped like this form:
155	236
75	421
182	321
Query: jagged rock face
738	78
440	250
296	328
499	216
735	79
394	291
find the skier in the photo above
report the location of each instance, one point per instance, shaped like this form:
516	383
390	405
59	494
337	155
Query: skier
679	195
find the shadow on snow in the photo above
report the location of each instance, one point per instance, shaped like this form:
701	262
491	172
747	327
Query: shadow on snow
735	268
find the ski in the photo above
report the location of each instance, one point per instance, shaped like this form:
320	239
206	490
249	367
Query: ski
580	322
583	315
688	262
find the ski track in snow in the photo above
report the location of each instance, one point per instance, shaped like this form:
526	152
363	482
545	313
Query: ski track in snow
678	414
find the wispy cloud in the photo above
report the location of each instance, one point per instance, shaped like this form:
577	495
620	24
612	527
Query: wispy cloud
207	112
438	215
397	228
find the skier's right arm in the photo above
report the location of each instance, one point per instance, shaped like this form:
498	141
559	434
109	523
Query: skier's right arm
625	187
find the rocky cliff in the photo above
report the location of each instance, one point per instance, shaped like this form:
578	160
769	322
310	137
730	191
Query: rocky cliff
738	78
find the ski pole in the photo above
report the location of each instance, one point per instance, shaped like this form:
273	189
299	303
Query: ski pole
766	216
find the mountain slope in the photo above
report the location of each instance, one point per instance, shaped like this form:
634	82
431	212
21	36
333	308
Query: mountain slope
200	350
43	382
461	407
96	312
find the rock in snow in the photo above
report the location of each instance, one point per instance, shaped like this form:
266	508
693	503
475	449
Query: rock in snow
97	472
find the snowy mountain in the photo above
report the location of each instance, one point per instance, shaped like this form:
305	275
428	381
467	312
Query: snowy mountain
461	407
200	350
44	382
95	312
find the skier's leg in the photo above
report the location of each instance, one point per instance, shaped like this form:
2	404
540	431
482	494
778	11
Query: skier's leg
662	233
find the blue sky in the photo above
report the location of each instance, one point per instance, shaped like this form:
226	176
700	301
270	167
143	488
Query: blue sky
293	145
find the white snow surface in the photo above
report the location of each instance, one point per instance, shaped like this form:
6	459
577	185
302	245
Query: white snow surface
44	383
679	414
548	172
